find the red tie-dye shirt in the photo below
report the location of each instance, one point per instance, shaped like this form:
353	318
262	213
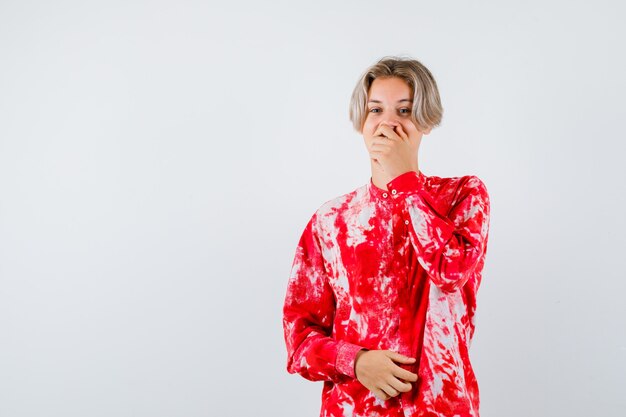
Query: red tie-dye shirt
396	270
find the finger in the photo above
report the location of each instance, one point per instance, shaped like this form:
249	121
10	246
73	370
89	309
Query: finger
390	391
384	126
381	140
380	394
379	131
389	132
404	374
398	385
383	130
376	153
403	135
397	357
380	148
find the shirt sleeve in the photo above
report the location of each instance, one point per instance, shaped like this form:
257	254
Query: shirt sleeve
448	246
308	314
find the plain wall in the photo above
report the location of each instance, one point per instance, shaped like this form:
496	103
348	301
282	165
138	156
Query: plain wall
159	161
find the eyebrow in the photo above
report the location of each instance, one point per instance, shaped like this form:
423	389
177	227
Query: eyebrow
399	101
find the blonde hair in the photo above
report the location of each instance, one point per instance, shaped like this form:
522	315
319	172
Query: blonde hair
426	112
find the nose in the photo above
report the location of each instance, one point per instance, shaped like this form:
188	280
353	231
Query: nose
393	123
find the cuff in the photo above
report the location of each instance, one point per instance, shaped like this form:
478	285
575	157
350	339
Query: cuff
408	183
346	356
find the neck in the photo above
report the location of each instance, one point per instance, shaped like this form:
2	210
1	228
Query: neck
379	177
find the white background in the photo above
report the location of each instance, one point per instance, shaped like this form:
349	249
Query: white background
159	161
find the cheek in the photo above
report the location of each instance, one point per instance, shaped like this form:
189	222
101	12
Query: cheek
369	126
408	127
370	123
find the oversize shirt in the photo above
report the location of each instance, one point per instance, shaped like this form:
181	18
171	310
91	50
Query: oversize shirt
396	269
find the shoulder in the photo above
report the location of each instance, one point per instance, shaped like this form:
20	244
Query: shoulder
342	202
327	212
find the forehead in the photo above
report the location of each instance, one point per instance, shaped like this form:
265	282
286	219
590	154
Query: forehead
389	89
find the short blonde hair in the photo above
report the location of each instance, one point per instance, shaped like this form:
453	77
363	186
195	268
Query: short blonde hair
426	112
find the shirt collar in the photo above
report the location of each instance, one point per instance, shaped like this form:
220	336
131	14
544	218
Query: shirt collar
384	195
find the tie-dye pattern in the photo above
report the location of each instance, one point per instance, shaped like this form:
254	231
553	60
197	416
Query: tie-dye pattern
395	269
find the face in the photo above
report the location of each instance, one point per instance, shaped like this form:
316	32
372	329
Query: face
390	102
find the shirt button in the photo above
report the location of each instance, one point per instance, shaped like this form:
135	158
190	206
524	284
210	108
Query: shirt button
385	195
393	192
406	222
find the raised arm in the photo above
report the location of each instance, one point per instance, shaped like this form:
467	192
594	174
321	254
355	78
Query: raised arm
308	314
448	245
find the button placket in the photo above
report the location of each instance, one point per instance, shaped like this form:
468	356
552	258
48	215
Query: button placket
398	232
404	213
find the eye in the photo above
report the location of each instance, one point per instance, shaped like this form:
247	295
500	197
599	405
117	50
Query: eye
402	110
375	108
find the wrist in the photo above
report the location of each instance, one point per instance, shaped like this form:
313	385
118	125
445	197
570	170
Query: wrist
356	359
345	362
359	354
